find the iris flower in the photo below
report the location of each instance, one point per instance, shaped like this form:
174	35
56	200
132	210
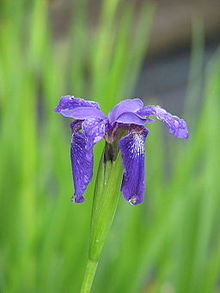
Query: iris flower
123	128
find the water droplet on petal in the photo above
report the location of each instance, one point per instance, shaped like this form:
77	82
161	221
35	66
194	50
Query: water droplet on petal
133	200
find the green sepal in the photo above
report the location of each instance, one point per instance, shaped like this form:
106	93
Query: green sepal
106	195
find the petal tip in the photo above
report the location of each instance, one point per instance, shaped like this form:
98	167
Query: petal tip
77	199
186	136
134	200
180	132
56	109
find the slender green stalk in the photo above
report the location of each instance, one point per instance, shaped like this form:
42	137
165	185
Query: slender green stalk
105	202
89	276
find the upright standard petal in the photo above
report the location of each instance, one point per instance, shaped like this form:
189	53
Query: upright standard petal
82	164
132	150
176	126
129	105
132	118
78	108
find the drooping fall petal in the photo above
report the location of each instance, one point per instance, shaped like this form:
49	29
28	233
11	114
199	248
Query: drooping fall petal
132	150
82	164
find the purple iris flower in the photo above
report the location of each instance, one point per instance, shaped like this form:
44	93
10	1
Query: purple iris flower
123	127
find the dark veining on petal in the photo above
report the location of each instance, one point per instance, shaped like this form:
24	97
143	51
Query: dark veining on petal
116	132
112	137
76	125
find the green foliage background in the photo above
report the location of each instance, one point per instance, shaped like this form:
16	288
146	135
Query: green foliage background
171	243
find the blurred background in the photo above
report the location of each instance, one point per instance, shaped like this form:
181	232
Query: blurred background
165	52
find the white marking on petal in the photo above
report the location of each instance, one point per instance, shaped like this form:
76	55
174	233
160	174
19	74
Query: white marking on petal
137	146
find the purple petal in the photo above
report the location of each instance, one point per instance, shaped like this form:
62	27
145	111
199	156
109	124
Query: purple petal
82	152
176	126
94	129
70	102
83	113
78	108
132	150
129	105
132	118
82	164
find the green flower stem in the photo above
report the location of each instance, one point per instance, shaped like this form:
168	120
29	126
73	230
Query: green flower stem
105	202
89	276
